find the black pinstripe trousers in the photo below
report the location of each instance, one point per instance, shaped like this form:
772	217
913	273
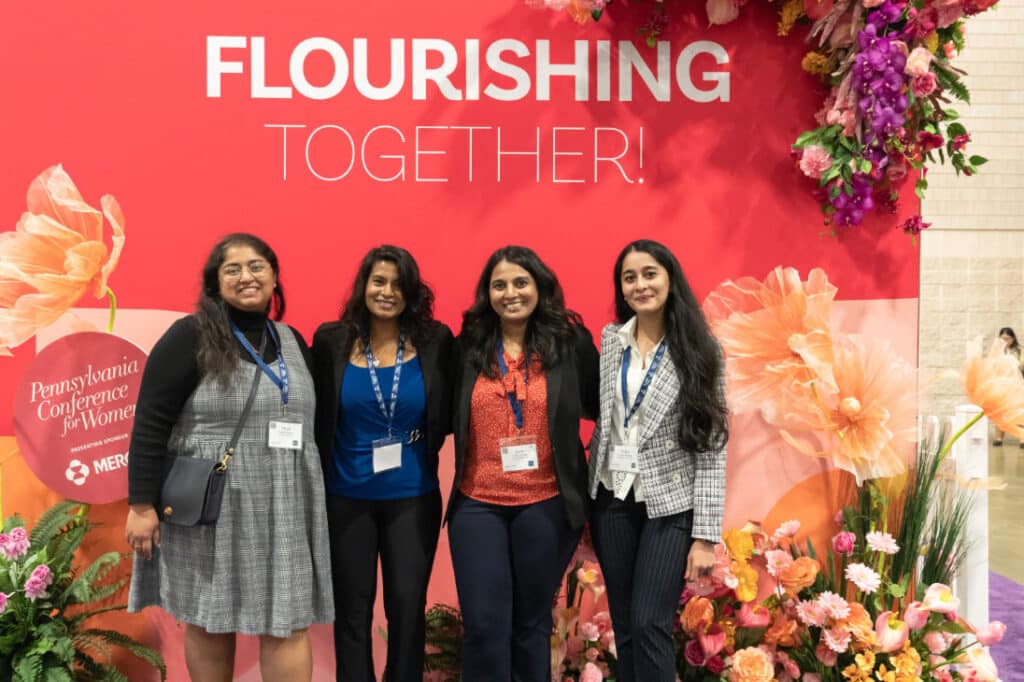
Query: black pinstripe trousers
643	561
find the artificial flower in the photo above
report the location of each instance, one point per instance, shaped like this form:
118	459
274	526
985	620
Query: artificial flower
918	62
751	664
922	86
815	161
891	632
55	255
773	333
864	577
992	382
868	424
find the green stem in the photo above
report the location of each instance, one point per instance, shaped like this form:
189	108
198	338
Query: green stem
949	444
113	310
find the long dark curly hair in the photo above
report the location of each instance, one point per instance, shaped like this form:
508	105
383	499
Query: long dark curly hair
550	331
217	351
416	321
694	351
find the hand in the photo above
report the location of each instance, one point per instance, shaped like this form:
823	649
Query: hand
700	560
142	530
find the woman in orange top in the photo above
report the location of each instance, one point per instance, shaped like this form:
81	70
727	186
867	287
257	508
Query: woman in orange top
527	373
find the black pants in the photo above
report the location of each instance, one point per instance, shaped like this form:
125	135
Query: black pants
404	534
643	561
508	562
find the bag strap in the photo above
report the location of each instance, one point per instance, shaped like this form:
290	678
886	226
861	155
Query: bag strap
229	452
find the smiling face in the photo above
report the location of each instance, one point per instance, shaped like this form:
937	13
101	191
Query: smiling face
384	297
246	279
644	282
513	292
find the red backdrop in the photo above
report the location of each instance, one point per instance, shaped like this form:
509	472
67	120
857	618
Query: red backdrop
118	93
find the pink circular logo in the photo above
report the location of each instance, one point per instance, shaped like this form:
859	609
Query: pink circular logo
73	415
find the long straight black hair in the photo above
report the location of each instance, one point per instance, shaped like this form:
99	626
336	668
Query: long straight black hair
694	351
217	350
416	321
550	331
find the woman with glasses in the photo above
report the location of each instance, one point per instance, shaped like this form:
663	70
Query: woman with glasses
383	392
657	456
263	567
526	376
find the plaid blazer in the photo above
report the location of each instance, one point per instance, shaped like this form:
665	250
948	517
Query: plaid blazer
674	480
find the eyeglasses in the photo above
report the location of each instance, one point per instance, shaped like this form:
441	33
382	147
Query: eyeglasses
256	268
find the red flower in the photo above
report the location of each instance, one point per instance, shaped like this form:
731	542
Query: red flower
715	665
959	142
914	225
929	141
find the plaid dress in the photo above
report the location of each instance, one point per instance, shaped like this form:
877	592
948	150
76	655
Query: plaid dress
264	567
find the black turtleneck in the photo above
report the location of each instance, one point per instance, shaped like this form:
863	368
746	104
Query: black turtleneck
169	378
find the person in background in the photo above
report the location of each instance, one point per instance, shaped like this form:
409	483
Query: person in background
657	456
527	374
383	394
1012	347
263	567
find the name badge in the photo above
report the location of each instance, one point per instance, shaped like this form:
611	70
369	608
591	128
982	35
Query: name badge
625	458
387	454
285	434
518	454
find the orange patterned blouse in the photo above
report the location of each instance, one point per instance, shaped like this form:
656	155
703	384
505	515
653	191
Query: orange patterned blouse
490	420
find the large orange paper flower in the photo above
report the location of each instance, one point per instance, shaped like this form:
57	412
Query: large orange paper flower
868	425
775	335
992	382
55	255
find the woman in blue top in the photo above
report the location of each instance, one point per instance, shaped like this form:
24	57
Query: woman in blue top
383	394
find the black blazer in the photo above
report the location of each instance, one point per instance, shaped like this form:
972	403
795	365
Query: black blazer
573	393
329	371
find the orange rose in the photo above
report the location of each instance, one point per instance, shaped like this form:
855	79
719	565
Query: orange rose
697	614
55	255
860	626
782	631
751	665
799	574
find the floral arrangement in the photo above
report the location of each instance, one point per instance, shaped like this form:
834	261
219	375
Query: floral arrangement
888	68
46	603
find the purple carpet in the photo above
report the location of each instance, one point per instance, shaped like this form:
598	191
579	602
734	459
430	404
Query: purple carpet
1006	603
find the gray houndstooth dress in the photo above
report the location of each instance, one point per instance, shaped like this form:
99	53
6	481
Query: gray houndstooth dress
264	567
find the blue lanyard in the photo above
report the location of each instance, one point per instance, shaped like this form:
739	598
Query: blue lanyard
648	378
515	403
281	379
388	414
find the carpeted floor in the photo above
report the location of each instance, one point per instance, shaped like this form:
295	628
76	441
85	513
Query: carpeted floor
1006	603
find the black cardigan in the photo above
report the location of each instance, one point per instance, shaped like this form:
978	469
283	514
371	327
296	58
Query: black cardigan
329	366
573	393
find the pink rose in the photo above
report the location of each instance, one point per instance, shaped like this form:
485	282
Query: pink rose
693	653
815	162
918	62
591	673
948	11
991	634
589	631
843	542
922	86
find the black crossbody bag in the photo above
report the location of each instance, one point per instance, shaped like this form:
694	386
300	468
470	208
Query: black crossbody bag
194	487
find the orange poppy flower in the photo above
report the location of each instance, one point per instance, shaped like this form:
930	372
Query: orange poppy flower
992	381
775	334
868	425
55	255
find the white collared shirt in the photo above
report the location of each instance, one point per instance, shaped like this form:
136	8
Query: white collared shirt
619	434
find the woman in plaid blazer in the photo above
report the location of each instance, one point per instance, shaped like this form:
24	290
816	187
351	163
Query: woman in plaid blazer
657	456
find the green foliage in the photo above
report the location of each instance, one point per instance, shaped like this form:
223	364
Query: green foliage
444	642
40	641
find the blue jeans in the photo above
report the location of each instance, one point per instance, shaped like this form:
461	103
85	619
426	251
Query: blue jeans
509	563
